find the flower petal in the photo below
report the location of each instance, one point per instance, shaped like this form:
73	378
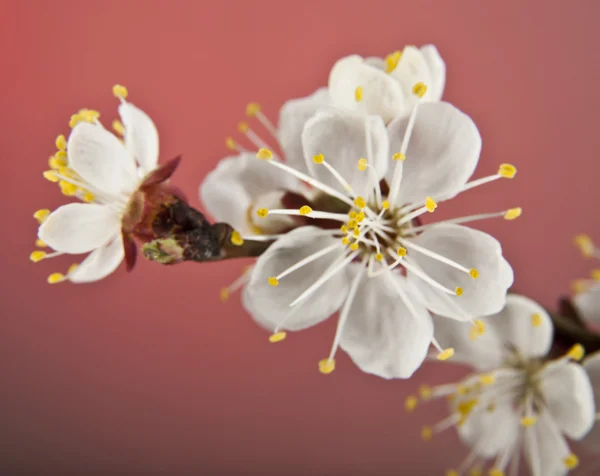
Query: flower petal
344	138
292	117
442	153
101	159
381	334
588	304
437	72
99	263
79	227
270	306
381	94
569	397
545	449
141	136
229	191
411	70
470	248
592	366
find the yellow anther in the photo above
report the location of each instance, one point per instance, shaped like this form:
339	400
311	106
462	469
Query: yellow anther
507	170
318	159
230	143
56	278
360	202
56	162
536	319
305	210
120	91
391	61
51	176
419	89
401	251
399	156
75	119
426	433
72	268
513	213
252	109
41	215
430	204
356	232
88	115
487	379
68	189
385	205
236	238
595	274
262	212
579	286
61	142
37	256
88	197
585	245
425	391
459	291
277	337
463	389
40	244
411	403
379	257
344	229
354	246
571	461
446	354
352	224
452	472
528	421
478	327
496	472
360	217
345	240
465	408
264	154
362	164
242	127
474	273
326	366
224	294
352	215
358	94
273	281
61	155
576	352
118	127
475	472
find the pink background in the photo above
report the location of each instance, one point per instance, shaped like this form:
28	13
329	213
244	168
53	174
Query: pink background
149	373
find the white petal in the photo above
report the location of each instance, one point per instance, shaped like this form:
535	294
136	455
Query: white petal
344	138
292	117
470	248
269	305
437	72
101	159
545	450
588	304
229	191
412	69
381	94
569	397
592	367
99	263
381	335
442	152
141	136
79	227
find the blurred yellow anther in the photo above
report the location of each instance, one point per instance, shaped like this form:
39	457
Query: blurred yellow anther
51	176
399	156
425	391
61	142
120	91
513	213
56	278
72	268
305	210
410	403
536	319
426	433
595	274
571	461
528	421
463	389
496	472
419	89
354	246
236	238
262	212
344	229
579	286
352	224
356	232
40	244
360	202
430	204
224	294
465	408
401	251
37	256
358	93
345	240
56	162
242	127
585	245
487	379
88	115
446	354
385	204
118	127
277	337
479	327
326	366
264	154
391	61
88	197
230	143
452	472
475	472
459	291
360	217
362	164
576	352
318	159
379	257
67	189
252	109
273	281
352	215
507	170
75	119
473	273
41	215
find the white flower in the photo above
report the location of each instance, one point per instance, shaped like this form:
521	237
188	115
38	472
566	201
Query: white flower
587	291
382	269
515	401
106	172
389	87
592	367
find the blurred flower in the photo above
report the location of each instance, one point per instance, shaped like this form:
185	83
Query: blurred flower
516	400
592	367
389	87
587	291
117	178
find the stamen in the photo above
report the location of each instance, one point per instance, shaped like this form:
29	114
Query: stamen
397	177
41	215
326	366
120	92
510	214
118	127
409	244
536	320
61	143
277	337
399	156
585	245
237	239
55	278
40	244
446	354
411	403
358	94
571	461
419	89
320	159
576	352
305	261
421	274
392	60
507	171
302	211
51	176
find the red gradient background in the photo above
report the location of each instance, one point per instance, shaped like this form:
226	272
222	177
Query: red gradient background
149	373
